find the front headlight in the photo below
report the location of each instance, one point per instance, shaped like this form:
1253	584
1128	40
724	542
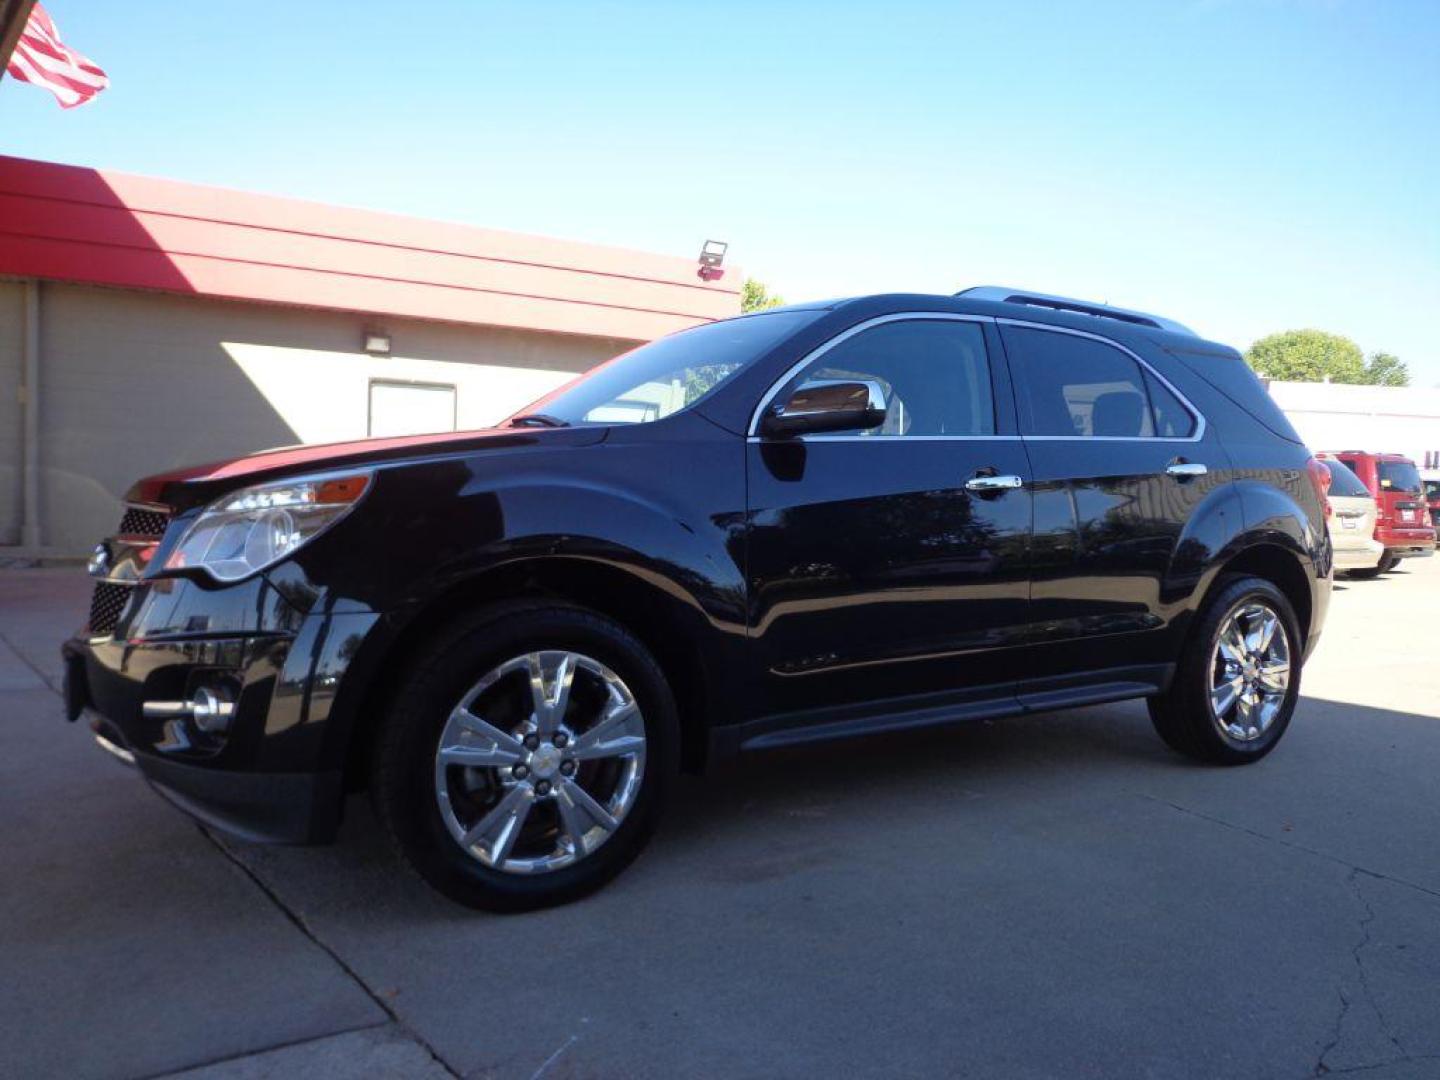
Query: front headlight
256	527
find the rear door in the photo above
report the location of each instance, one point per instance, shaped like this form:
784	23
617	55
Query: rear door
1120	461
877	577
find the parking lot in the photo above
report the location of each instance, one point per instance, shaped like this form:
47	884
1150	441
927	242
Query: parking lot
1055	896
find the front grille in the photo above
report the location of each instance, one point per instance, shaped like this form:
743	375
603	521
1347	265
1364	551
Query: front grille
141	522
105	606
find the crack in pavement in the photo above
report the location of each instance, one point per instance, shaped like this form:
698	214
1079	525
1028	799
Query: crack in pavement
295	920
1372	1066
1320	1067
288	1044
1352	883
44	679
298	921
1289	844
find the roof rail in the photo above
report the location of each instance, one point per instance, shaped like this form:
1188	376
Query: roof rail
1000	294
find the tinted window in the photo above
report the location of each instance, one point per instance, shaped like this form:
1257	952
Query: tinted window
1233	377
1399	476
1343	482
935	375
670	374
1172	420
1075	386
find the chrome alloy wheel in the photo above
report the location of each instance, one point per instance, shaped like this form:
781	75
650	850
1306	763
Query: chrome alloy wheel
540	761
1250	671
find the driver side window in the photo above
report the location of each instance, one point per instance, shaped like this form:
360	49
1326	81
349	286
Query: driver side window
934	373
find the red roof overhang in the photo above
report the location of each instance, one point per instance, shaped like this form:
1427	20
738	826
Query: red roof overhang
65	223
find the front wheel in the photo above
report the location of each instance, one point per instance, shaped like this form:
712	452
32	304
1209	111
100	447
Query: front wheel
1235	689
525	757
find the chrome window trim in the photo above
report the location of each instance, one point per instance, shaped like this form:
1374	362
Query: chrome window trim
1195	414
899	439
752	432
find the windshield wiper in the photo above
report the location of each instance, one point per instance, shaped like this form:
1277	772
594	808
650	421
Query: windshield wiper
538	419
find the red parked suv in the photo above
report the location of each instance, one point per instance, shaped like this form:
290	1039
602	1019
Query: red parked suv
1402	519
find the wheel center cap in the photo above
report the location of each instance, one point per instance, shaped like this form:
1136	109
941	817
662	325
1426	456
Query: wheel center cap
545	762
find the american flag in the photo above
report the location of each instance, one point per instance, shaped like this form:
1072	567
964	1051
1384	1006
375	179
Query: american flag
42	59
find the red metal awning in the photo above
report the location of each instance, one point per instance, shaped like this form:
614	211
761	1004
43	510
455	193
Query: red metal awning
92	226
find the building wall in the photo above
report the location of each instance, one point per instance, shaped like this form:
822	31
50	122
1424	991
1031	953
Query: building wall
134	383
1386	419
12	331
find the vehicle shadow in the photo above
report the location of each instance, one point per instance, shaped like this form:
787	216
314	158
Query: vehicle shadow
1044	752
775	814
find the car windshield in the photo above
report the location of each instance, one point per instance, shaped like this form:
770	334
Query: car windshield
1399	476
1432	490
665	376
1343	482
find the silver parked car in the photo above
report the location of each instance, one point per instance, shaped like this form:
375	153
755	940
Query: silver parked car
1352	522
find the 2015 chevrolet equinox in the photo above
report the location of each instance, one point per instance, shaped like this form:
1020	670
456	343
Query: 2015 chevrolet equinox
814	522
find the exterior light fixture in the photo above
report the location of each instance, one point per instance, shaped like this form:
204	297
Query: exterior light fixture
377	342
711	256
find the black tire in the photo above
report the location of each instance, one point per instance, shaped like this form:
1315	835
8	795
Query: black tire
1182	715
1389	562
403	783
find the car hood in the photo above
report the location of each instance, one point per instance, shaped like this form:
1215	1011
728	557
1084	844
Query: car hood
182	488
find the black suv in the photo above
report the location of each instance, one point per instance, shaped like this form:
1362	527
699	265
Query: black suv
815	522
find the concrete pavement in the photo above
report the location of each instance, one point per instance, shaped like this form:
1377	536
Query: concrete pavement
1054	896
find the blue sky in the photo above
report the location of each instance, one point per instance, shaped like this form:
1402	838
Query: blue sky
1244	166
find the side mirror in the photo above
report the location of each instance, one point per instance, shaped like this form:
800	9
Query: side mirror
826	405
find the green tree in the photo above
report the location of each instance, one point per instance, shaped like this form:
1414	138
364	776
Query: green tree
1308	356
754	296
1386	369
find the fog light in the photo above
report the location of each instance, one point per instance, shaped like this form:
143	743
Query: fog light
211	715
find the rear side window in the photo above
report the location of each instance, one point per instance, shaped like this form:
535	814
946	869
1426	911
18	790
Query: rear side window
1399	476
934	373
1353	464
1343	482
1172	420
1074	386
1228	373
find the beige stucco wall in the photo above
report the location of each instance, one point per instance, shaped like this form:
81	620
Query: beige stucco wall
134	383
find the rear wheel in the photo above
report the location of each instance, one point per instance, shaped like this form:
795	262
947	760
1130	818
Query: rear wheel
526	756
1236	687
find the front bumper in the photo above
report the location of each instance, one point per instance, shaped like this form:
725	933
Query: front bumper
275	771
275	808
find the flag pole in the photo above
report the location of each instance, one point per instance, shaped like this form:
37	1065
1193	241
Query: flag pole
13	16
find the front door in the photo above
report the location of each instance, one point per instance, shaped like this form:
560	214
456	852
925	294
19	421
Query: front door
878	580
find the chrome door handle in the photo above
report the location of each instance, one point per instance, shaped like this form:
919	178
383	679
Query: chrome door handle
1186	469
993	483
